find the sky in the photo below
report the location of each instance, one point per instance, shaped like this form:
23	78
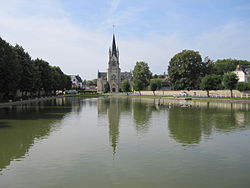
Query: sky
76	34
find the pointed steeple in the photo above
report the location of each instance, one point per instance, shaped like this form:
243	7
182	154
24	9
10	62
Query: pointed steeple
114	49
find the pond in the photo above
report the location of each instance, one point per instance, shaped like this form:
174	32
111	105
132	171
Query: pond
124	142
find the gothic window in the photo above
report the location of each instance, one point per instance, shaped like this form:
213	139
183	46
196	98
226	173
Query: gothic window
113	77
113	63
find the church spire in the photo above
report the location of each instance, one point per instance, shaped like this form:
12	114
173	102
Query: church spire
114	49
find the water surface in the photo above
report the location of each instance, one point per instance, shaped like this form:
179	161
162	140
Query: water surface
124	142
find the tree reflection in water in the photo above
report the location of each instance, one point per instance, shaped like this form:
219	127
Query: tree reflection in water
188	125
21	126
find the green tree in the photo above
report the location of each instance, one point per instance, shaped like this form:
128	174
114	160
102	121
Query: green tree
46	76
223	66
210	82
242	86
153	86
28	72
230	81
141	75
185	70
126	86
106	87
159	83
9	71
138	85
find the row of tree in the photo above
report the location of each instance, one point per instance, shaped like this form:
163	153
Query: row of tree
187	71
19	72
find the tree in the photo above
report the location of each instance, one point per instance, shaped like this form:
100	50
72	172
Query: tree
242	86
106	87
126	86
141	75
223	66
153	86
91	82
138	86
46	75
185	70
27	70
230	81
210	82
158	83
9	70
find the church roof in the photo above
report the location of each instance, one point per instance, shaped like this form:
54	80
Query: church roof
102	75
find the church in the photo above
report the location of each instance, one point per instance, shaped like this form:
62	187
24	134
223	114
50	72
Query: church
114	77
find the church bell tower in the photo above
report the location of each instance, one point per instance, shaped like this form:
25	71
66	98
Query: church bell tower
114	72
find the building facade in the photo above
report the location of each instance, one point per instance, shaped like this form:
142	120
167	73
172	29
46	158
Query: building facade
243	73
112	79
76	81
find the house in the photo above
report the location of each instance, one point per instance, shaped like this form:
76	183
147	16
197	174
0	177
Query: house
243	73
76	81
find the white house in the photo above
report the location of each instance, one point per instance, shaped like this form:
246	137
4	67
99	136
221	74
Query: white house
76	81
243	72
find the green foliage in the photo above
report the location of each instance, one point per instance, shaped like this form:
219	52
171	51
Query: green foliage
9	70
19	72
230	81
153	86
141	75
185	70
242	86
138	85
91	82
126	86
227	65
211	82
106	87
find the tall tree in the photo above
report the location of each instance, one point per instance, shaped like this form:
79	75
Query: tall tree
9	70
230	81
186	70
210	82
46	75
141	74
27	70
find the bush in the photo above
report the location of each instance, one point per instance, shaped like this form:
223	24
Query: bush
242	86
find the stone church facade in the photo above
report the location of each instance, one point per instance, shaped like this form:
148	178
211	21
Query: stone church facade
114	76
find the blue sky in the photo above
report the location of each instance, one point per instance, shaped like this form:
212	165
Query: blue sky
76	34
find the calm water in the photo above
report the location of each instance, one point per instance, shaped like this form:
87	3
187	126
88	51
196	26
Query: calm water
124	142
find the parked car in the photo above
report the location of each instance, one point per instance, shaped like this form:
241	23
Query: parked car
183	94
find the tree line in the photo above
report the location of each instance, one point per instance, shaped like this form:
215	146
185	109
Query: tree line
187	71
30	77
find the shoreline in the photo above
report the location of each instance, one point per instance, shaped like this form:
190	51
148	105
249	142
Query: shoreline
205	99
6	104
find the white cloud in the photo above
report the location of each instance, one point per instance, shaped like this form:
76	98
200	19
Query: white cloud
51	35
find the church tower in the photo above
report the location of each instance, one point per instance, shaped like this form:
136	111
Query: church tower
114	72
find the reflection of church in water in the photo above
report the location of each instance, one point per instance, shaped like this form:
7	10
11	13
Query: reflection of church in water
110	109
114	76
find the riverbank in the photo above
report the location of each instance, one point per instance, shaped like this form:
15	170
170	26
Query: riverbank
12	103
207	99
